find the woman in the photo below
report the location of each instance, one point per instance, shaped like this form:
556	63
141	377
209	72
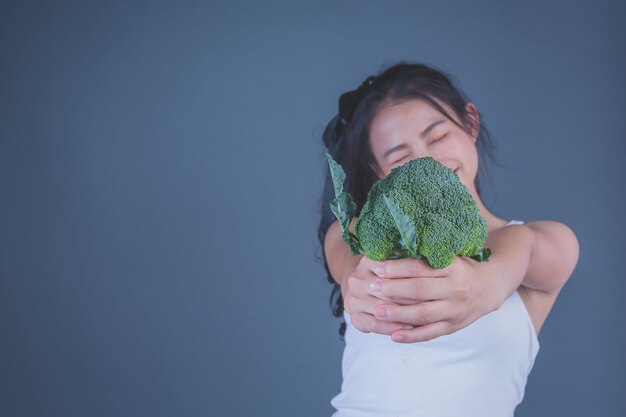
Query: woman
476	322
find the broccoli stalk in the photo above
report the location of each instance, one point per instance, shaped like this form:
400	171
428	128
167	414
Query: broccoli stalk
419	210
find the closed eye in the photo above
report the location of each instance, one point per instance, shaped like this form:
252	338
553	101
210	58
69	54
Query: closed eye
399	160
440	138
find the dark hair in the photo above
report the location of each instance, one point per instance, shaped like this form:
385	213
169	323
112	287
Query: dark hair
346	136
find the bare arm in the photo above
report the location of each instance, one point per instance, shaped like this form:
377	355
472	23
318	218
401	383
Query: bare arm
338	255
540	256
537	258
554	255
553	258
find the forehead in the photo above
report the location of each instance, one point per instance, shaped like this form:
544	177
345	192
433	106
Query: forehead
397	121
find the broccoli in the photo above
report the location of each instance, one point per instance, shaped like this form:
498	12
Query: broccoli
421	210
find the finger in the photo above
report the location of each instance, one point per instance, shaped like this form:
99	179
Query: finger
369	263
416	315
401	301
417	289
366	304
422	333
406	268
369	324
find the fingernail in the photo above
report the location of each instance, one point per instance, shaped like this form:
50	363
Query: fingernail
381	312
379	270
397	338
375	285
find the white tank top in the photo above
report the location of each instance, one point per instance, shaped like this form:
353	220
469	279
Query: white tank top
478	371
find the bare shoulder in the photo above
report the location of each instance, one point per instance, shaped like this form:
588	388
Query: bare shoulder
553	258
554	255
554	232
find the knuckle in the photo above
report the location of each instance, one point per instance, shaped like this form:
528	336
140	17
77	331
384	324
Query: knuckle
366	264
387	268
389	290
424	316
416	267
420	289
376	326
384	287
359	323
460	317
352	281
370	324
383	309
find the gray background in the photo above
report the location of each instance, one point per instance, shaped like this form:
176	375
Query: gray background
160	170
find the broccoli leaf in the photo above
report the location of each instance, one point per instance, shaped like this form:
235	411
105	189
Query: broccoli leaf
344	208
405	225
337	173
352	241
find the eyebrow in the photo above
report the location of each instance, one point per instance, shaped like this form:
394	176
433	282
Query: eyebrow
424	133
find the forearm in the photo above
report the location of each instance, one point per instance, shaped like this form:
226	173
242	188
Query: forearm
540	255
507	267
339	258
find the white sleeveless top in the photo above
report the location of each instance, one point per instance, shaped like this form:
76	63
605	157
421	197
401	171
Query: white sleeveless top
480	370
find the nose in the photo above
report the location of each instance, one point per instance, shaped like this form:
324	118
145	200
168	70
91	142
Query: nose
425	151
419	150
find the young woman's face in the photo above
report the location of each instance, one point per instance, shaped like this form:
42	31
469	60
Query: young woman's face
414	129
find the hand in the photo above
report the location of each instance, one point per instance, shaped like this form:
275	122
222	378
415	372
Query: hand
435	301
359	302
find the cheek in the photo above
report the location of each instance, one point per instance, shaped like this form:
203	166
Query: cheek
473	158
383	173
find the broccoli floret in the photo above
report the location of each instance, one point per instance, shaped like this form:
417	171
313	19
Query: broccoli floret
421	209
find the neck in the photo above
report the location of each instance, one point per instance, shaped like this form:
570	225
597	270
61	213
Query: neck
493	221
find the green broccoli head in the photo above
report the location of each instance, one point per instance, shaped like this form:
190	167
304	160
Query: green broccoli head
446	218
421	209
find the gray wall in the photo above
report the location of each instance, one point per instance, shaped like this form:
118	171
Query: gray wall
160	169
